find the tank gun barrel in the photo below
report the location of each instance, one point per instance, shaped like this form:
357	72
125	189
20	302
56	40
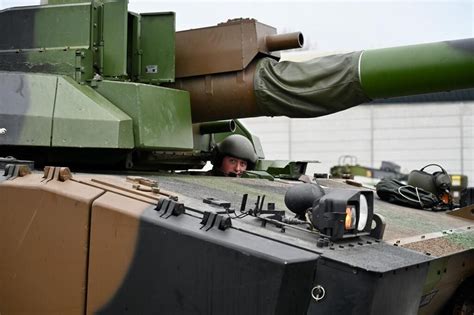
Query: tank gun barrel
417	69
332	83
262	86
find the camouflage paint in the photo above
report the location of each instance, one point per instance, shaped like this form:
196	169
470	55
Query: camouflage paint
44	262
100	37
113	245
115	224
67	39
26	124
51	39
179	268
465	240
38	28
445	275
64	114
50	264
78	39
110	242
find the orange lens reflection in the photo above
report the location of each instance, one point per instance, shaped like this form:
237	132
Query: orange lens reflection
445	198
348	223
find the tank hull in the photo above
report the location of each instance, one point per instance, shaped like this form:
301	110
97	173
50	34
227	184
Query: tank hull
123	252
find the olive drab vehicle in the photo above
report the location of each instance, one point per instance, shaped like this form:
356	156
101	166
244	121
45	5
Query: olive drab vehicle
88	85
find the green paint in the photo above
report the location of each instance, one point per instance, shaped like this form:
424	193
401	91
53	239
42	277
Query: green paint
84	118
83	66
258	174
161	116
282	168
50	110
62	26
134	52
26	124
157	47
417	69
50	27
51	39
465	240
435	273
114	38
356	170
413	223
68	1
54	62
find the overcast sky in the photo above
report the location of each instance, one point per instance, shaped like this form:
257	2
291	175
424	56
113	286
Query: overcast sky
327	25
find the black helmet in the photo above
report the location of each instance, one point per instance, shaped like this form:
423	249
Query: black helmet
237	146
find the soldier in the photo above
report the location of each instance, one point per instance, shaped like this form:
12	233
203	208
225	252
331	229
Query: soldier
233	156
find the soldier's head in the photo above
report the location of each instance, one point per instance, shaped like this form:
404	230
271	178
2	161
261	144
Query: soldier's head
234	155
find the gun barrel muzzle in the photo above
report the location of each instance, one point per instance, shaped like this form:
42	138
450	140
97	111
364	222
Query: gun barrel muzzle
217	127
284	41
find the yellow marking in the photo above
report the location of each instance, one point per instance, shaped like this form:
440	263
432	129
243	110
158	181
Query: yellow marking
456	180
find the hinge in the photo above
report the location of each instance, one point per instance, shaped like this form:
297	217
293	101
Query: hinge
13	171
79	68
211	220
61	174
169	207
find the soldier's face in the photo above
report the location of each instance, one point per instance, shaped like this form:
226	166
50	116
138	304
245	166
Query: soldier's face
232	166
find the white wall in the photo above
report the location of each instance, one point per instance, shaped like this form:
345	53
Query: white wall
410	135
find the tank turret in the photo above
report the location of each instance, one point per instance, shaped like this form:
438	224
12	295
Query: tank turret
94	84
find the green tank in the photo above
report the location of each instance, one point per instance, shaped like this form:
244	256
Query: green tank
92	86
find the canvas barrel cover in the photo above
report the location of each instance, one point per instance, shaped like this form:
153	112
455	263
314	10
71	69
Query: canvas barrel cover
314	88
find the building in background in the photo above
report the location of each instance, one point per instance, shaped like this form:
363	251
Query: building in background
410	135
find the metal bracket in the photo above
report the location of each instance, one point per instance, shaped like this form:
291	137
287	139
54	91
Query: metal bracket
13	171
322	242
11	160
466	212
379	229
219	203
61	174
169	207
211	220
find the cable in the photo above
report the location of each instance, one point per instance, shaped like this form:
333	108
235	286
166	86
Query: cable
408	198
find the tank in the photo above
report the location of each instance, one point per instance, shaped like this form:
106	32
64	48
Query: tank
125	90
89	86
